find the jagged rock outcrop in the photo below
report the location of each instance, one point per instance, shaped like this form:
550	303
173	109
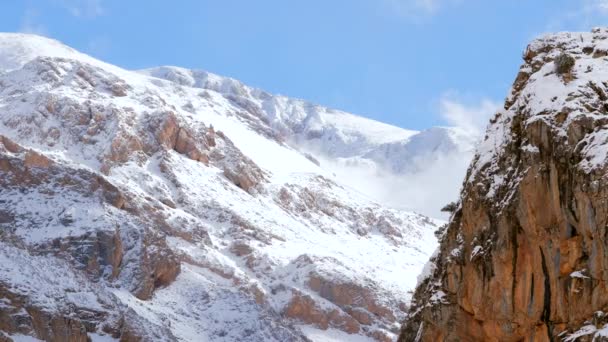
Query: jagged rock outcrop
68	307
524	256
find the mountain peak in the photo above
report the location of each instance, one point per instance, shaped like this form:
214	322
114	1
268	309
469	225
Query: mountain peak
188	208
16	49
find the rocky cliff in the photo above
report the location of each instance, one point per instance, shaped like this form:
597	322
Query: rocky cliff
525	254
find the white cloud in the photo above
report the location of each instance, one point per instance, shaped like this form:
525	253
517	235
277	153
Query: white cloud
428	187
427	5
30	23
83	8
602	5
582	15
31	19
416	9
425	190
472	117
592	10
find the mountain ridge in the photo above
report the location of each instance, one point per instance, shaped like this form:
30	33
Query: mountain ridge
380	154
180	215
353	145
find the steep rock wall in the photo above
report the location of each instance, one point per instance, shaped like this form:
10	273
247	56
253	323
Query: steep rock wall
525	254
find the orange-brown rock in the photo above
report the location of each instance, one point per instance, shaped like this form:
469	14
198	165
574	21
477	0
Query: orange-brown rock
159	265
17	316
237	168
525	255
110	192
91	252
35	159
10	145
122	148
167	133
55	328
31	158
362	316
381	336
186	145
352	296
181	139
241	176
305	309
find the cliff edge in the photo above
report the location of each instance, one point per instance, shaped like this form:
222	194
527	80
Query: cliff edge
524	256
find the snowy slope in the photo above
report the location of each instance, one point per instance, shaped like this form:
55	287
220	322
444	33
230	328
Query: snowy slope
349	133
368	155
182	213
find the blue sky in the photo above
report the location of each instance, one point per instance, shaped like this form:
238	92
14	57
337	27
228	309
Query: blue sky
413	63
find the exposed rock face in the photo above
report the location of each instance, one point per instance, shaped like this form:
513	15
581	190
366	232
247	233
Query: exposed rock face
172	136
524	256
99	253
159	265
305	309
65	309
50	328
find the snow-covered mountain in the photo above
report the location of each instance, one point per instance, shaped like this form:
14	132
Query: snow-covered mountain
177	205
368	155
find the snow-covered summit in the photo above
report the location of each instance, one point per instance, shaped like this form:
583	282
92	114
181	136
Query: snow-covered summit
349	144
189	212
292	116
370	155
17	49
